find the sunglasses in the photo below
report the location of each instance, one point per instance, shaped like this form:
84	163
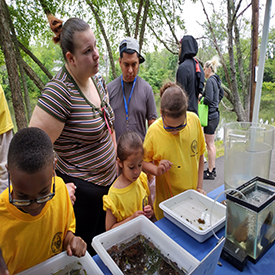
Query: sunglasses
171	129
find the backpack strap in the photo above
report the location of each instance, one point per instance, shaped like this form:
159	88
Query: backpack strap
197	66
199	84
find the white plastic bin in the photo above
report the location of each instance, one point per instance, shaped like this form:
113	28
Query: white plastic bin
142	225
185	210
60	261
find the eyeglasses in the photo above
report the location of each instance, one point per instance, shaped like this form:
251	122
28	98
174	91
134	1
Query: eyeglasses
171	129
28	202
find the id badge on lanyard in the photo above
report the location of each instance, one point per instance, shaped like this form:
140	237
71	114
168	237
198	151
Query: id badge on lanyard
126	104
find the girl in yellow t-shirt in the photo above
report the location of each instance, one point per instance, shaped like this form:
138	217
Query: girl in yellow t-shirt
174	147
129	196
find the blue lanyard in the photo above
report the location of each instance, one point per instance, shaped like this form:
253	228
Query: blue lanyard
125	103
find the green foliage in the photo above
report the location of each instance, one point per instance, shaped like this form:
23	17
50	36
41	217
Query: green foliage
30	21
117	68
269	70
219	149
162	12
159	68
208	50
267	101
271	43
33	31
2	59
50	56
4	81
218	21
268	87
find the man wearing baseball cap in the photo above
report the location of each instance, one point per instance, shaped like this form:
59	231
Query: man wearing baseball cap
131	97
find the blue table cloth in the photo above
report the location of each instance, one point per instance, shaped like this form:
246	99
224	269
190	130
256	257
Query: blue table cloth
266	265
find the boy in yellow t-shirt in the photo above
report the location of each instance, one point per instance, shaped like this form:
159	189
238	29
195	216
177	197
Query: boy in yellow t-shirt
36	214
6	134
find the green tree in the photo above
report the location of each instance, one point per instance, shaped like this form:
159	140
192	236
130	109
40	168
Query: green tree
12	59
111	20
153	23
116	19
237	69
269	75
159	68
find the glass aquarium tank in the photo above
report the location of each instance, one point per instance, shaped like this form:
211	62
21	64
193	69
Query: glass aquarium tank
250	222
247	152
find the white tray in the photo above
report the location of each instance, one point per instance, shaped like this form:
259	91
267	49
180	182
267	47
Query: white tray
61	260
185	210
142	225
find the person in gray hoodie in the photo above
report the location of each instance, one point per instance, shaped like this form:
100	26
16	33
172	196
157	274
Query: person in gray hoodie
186	76
212	95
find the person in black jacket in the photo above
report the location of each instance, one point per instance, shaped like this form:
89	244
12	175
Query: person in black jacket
191	82
212	96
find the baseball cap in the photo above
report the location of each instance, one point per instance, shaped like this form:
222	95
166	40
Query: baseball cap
130	43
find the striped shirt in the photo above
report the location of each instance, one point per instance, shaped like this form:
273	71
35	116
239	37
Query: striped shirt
84	149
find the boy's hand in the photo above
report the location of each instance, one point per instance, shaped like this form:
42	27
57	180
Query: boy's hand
71	189
163	167
3	266
76	247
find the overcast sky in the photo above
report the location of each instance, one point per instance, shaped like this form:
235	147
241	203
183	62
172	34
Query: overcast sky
193	13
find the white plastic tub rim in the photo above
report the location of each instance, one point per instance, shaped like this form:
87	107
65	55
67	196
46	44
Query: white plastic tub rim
141	225
218	213
61	260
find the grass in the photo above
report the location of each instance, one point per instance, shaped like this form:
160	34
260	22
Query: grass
219	149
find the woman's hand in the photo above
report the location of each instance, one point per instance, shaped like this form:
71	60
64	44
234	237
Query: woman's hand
163	167
71	189
3	266
74	246
199	97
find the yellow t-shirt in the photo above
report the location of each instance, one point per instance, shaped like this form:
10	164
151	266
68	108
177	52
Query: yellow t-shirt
5	117
183	149
26	240
126	201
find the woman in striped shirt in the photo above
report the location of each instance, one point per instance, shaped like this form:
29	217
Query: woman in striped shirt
74	111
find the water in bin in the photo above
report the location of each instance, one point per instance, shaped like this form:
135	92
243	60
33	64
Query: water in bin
247	152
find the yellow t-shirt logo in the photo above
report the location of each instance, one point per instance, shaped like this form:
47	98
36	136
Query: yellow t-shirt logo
57	242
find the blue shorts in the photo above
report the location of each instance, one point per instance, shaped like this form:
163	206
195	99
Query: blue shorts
212	126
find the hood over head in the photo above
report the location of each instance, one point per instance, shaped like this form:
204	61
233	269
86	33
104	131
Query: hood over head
189	48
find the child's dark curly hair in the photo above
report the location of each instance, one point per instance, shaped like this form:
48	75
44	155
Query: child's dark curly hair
128	143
